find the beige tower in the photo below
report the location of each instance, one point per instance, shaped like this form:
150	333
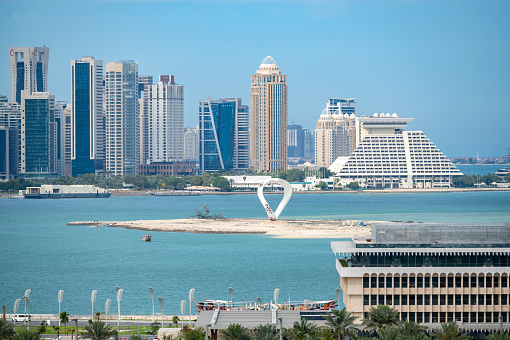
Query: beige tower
268	141
334	137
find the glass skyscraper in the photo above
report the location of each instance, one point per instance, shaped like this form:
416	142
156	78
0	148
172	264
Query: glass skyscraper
87	116
223	135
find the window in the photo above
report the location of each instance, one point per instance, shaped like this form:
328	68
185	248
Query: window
450	300
427	300
495	299
480	299
396	282
389	300
412	300
373	282
426	318
473	281
404	300
396	300
373	300
473	300
481	281
504	281
366	282
419	299
419	282
504	299
435	282
442	299
442	282
388	282
488	282
458	283
465	299
450	282
366	300
404	282
496	281
458	299
381	299
427	281
412	282
403	316
465	281
435	299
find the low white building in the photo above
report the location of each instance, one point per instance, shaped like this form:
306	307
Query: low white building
246	182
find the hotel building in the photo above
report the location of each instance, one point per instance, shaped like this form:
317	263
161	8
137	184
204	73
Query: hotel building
388	157
223	135
29	70
191	148
430	273
335	134
88	133
268	140
38	136
162	121
122	122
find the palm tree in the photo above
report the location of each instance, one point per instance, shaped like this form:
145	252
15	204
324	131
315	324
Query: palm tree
265	332
341	322
6	330
499	335
412	330
381	316
57	329
391	333
98	330
449	331
175	320
25	334
235	331
64	318
303	330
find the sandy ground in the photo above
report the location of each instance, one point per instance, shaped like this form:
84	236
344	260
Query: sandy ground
279	228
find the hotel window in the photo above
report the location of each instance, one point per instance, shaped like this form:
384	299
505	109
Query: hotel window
504	299
373	282
449	316
473	281
504	281
465	280
488	299
435	300
434	317
473	317
403	316
442	299
389	300
488	282
427	281
450	281
450	300
396	300
404	300
465	299
480	317
473	300
396	282
435	282
419	300
480	299
388	282
366	282
404	282
458	299
412	300
381	281
496	299
496	281
366	300
481	281
373	300
488	317
458	282
442	282
381	299
419	282
426	318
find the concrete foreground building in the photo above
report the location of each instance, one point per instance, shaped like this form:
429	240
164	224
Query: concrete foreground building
29	70
430	273
223	135
122	121
386	156
162	121
87	89
268	146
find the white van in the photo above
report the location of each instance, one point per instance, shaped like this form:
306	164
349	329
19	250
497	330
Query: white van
21	318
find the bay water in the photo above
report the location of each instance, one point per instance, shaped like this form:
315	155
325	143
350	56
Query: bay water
38	251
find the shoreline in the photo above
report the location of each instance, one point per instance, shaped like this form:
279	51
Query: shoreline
290	229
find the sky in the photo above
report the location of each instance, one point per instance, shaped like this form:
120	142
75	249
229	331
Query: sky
444	63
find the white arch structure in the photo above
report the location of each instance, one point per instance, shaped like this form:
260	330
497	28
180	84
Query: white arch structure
287	193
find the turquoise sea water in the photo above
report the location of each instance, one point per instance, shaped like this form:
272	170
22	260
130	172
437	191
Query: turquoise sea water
40	252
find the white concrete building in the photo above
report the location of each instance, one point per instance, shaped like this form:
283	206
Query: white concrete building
388	157
29	70
191	149
162	121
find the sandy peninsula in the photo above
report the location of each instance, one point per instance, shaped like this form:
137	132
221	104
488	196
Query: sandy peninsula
279	228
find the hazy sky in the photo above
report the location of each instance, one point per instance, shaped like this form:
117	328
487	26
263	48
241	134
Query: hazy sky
445	63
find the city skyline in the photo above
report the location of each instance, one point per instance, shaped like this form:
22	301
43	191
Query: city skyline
417	59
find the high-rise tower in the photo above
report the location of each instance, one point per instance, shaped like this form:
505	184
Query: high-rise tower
122	123
268	142
88	136
29	70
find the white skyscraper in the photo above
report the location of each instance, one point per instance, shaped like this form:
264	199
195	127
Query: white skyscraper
191	143
29	70
162	121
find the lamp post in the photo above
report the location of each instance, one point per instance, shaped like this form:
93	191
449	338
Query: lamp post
119	298
183	308
107	306
93	299
162	306
151	292
338	291
190	295
60	299
26	298
276	295
15	309
231	297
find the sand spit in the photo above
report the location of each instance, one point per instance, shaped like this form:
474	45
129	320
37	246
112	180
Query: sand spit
279	228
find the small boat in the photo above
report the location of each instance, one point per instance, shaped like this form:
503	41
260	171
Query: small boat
146	238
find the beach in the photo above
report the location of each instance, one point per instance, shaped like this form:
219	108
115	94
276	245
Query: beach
291	229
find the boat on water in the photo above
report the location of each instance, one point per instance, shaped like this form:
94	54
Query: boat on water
147	238
250	305
65	191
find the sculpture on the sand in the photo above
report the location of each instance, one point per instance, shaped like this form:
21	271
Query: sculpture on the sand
287	193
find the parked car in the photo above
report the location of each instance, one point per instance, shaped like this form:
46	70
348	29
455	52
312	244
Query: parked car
21	318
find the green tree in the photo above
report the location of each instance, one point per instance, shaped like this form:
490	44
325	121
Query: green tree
64	318
353	185
25	334
499	335
6	330
341	322
449	331
42	328
303	330
381	316
175	320
135	337
391	333
265	332
412	330
322	185
235	331
221	183
155	326
193	334
98	330
57	330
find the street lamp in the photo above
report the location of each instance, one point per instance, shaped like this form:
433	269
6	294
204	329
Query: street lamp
26	297
16	306
119	298
191	295
60	299
107	306
183	308
231	296
162	306
338	291
151	292
93	299
276	295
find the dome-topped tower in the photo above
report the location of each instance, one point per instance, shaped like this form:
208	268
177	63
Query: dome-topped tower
268	66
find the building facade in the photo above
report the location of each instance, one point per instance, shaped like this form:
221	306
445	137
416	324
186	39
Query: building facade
430	273
223	135
8	152
37	143
335	131
122	121
170	168
309	143
29	70
268	139
162	121
389	157
295	141
143	83
87	88
191	147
